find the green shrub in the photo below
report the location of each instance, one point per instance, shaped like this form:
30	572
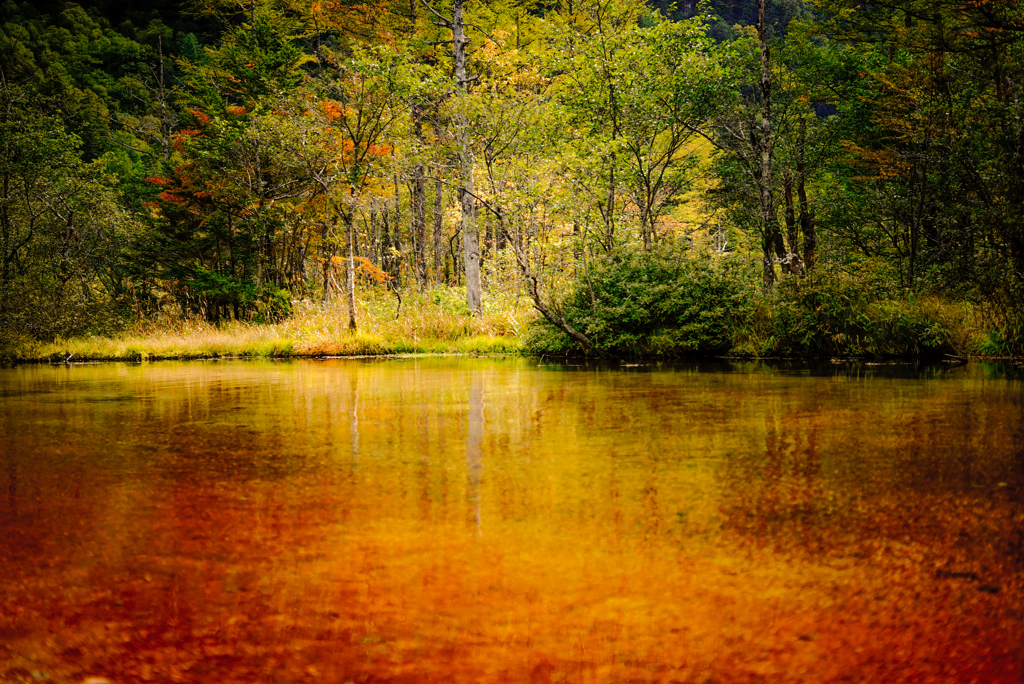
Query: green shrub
216	297
829	313
663	302
1001	291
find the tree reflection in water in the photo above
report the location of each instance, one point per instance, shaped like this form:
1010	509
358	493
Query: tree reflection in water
264	521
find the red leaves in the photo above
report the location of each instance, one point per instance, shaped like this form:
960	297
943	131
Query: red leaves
170	197
200	115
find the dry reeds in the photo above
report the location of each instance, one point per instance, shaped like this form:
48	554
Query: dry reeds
432	322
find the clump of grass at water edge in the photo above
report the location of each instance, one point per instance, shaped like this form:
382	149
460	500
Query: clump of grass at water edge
432	322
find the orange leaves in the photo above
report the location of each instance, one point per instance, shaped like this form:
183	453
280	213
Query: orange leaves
331	109
367	269
235	110
179	190
349	149
364	268
884	163
200	115
179	139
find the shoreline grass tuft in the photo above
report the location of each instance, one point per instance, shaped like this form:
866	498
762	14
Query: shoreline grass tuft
433	322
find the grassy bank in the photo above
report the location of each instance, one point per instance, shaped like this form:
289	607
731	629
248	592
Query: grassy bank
435	322
634	305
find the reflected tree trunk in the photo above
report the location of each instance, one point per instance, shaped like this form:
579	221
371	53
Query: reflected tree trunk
474	447
353	416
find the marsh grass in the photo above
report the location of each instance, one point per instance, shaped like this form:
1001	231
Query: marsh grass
432	322
815	317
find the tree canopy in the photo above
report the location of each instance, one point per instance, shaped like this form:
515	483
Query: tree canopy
228	158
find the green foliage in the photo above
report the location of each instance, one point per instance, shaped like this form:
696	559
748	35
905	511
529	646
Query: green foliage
1002	296
87	70
835	313
662	302
255	60
62	229
256	156
217	294
636	86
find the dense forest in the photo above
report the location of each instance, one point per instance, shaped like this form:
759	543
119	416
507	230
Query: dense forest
745	176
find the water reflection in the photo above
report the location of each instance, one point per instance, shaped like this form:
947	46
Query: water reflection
496	520
474	445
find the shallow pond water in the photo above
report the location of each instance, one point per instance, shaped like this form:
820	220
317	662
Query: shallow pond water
496	520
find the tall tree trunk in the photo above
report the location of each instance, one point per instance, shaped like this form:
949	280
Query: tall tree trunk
350	271
438	237
6	242
769	225
470	235
470	242
806	215
396	235
419	207
916	220
609	211
374	238
792	260
385	244
326	254
327	277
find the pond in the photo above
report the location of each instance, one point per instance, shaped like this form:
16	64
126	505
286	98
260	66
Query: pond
509	520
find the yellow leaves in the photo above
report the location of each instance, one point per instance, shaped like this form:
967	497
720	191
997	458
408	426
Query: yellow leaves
507	67
369	21
883	163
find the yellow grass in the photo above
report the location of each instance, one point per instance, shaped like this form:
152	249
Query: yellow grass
433	322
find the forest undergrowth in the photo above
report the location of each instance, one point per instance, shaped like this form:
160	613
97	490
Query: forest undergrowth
432	322
631	304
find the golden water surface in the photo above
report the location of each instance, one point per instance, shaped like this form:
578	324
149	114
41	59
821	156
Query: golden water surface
481	520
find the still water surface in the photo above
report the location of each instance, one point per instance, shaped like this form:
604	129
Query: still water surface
429	520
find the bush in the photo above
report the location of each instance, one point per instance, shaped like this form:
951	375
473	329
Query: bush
670	304
663	302
216	297
829	313
41	307
1001	292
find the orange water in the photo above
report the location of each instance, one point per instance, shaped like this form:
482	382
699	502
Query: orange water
446	520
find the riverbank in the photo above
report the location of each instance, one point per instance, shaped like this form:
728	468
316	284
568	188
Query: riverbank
429	323
799	320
